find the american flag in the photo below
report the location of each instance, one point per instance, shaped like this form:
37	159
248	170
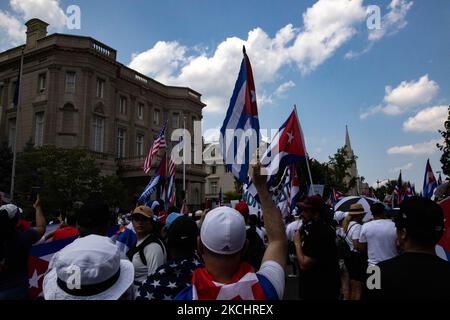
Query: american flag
160	142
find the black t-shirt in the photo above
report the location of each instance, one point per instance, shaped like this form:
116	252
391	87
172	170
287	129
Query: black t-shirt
412	276
322	280
14	258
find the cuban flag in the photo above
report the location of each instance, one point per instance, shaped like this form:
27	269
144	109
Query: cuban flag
429	182
158	178
287	147
38	261
241	124
443	247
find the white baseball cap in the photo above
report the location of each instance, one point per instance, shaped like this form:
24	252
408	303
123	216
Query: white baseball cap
12	210
223	231
340	215
102	274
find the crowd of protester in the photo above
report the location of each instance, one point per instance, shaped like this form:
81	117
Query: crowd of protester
228	253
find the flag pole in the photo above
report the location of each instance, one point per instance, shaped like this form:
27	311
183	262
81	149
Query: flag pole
184	157
13	171
307	156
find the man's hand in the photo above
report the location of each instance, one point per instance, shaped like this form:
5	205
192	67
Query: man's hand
297	238
258	179
37	203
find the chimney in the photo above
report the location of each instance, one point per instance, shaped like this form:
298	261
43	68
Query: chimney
36	29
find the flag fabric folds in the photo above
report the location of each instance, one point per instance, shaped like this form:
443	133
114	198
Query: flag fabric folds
242	115
157	179
429	182
160	142
171	185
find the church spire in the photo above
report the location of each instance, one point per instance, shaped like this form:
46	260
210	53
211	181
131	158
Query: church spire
347	140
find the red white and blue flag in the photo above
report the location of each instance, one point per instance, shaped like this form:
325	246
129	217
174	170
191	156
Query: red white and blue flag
409	191
443	247
171	186
294	189
429	182
160	142
38	260
241	117
157	179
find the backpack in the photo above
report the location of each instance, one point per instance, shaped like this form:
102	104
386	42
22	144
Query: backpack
140	248
343	248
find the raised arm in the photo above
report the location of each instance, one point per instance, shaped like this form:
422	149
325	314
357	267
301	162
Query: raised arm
40	219
277	248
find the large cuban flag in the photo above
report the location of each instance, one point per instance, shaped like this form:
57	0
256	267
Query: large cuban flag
241	122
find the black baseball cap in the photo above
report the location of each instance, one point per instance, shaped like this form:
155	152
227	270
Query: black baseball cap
422	218
183	233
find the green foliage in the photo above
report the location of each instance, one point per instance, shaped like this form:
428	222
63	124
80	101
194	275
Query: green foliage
445	147
340	164
231	195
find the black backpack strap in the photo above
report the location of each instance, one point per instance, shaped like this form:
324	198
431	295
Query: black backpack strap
140	248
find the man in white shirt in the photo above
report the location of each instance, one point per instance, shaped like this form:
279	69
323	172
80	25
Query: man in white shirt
378	237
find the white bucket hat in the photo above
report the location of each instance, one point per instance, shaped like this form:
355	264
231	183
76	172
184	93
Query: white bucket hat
103	275
12	210
223	231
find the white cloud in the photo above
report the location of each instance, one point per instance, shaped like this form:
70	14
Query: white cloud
327	25
12	29
393	21
428	120
211	135
283	88
405	167
405	97
415	149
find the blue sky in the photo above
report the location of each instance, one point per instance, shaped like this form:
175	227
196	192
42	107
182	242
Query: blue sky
390	86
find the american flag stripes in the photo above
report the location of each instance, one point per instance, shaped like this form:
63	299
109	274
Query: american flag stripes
160	142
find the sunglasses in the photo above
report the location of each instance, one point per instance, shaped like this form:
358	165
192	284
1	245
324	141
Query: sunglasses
140	218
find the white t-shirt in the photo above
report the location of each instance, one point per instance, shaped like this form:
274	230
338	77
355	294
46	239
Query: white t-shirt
353	233
275	274
381	237
155	257
292	227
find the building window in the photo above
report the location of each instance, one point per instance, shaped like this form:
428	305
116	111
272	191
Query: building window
139	145
68	118
123	106
140	114
156	117
99	133
214	187
11	133
176	120
70	82
39	130
213	170
42	82
100	88
121	143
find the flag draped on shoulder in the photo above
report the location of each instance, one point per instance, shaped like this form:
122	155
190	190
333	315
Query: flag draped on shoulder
38	262
429	182
160	142
157	179
241	121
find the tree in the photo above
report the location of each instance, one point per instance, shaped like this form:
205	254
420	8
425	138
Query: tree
6	159
339	177
64	176
445	147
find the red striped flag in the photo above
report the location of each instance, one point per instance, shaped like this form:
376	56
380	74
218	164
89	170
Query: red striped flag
160	142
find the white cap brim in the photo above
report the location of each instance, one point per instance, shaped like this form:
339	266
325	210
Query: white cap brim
52	291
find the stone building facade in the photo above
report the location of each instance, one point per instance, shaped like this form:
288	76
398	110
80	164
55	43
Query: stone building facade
73	92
